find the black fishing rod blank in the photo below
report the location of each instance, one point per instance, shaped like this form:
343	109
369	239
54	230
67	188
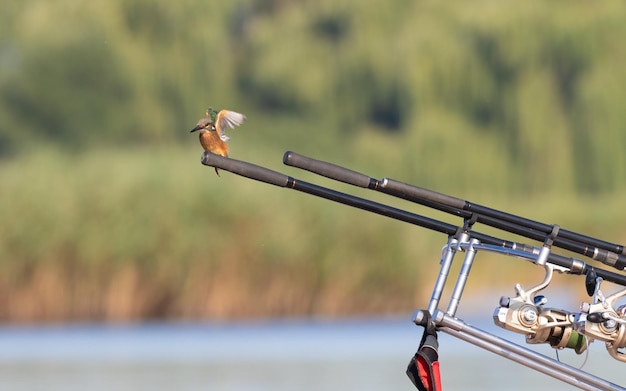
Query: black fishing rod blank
608	253
262	174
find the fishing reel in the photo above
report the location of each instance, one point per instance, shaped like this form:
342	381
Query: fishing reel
601	319
526	314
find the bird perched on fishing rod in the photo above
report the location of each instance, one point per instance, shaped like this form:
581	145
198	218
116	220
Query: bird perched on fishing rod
212	130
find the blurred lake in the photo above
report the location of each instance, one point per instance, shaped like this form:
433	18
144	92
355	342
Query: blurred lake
352	354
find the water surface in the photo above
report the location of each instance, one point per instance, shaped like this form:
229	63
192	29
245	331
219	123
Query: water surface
361	354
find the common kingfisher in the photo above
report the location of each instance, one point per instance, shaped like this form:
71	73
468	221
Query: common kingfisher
212	127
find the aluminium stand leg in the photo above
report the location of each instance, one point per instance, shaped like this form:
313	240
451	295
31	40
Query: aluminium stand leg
529	358
455	299
446	262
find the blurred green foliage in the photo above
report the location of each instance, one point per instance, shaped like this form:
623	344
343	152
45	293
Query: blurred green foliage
542	84
488	100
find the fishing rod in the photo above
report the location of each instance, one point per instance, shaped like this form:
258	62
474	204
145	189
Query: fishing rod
608	253
262	174
524	313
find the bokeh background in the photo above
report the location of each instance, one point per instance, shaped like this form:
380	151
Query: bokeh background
107	214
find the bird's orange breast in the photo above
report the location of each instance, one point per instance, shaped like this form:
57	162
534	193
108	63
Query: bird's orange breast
211	142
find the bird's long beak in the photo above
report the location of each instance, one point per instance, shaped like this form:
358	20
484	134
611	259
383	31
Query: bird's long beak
198	127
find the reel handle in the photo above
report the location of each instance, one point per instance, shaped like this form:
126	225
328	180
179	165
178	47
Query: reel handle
329	170
389	186
247	170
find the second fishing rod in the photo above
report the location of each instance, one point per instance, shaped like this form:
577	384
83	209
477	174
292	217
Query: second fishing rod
608	253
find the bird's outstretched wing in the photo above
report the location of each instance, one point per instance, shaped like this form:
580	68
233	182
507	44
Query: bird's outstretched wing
227	119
